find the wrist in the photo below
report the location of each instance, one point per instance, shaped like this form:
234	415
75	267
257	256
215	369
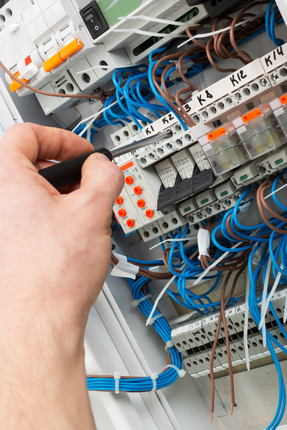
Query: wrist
42	370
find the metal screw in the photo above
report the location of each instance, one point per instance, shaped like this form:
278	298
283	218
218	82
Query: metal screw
263	82
205	114
188	137
227	202
262	170
191	219
169	146
228	101
217	206
178	142
238	96
151	156
275	76
178	127
196	118
199	215
160	151
143	160
208	211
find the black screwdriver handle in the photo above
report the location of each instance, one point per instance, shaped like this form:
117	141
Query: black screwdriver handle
68	172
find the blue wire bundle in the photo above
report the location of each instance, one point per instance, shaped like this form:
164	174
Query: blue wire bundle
270	23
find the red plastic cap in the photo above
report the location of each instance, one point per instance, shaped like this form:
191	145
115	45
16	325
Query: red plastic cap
122	213
149	213
138	190
129	180
119	201
141	203
130	223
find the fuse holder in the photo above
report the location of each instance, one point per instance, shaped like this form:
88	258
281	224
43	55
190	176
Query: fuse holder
251	115
216	133
141	203
122	213
130	223
129	180
62	55
119	201
283	99
16	85
149	213
138	191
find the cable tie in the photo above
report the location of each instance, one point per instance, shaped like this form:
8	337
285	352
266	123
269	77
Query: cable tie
117	377
170	344
135	303
181	372
154	377
153	319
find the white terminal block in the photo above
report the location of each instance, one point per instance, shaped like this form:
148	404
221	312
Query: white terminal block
205	197
166	172
221	178
274	64
245	173
171	221
126	213
243	76
274	162
143	188
122	136
188	206
224	190
150	231
199	157
184	163
210	95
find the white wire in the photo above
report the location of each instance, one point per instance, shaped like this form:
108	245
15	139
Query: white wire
160	296
279	274
246	322
214	264
203	35
171	240
265	286
148	33
151	18
94	115
276	191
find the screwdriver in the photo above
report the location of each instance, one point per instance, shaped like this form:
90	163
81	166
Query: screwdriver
68	172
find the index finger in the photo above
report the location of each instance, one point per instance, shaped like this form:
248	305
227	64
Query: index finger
35	142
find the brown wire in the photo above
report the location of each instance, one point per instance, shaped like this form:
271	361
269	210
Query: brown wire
223	319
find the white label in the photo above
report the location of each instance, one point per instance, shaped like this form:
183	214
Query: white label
199	157
168	120
184	163
210	94
152	129
274	58
167	173
244	75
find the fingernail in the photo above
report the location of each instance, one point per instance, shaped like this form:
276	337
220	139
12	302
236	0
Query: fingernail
101	156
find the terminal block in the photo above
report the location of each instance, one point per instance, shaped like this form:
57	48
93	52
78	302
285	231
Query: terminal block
223	149
279	107
275	65
258	131
195	338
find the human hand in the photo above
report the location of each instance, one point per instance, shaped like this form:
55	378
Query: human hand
54	258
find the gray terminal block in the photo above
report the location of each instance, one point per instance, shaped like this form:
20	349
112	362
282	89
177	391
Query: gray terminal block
224	190
188	206
274	162
205	198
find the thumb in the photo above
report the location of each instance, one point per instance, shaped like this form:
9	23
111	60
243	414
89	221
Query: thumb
101	184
